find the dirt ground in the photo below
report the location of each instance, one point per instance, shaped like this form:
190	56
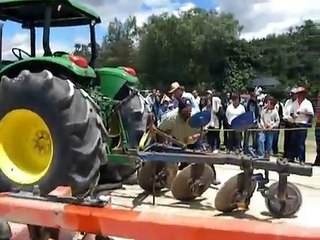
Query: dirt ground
132	197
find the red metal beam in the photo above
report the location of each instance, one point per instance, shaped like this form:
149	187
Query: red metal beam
145	225
20	231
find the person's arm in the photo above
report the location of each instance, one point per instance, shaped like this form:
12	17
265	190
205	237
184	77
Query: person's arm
286	114
309	110
261	121
192	139
215	105
276	122
228	112
257	111
166	125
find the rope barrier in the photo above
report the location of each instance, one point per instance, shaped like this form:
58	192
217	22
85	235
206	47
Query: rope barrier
260	130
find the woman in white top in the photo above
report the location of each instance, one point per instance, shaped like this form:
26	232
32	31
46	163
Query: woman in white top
212	126
234	110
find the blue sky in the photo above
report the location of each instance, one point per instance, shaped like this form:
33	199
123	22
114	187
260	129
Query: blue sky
65	38
260	17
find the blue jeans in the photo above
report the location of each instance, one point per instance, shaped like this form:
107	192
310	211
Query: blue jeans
246	146
300	137
265	142
275	141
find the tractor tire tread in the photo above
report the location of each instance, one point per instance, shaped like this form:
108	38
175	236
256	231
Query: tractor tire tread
74	124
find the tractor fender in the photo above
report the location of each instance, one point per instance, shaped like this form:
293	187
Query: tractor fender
59	66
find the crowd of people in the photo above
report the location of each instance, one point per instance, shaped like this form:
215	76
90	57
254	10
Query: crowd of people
295	115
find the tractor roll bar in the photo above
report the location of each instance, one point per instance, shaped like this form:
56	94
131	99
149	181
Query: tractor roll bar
33	41
46	31
93	45
1	40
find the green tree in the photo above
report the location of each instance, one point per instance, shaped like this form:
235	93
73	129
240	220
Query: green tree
184	48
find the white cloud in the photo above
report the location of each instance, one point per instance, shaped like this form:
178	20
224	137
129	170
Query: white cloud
263	17
108	10
21	40
81	40
121	9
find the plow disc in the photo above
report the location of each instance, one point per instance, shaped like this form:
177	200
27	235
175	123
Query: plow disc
192	182
229	196
286	208
156	175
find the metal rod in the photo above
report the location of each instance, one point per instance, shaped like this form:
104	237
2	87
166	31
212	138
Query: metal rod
94	47
46	31
33	41
292	168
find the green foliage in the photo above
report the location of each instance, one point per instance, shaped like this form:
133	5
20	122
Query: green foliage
292	56
202	49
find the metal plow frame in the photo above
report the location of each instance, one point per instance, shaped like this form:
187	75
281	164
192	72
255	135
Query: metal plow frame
108	221
163	153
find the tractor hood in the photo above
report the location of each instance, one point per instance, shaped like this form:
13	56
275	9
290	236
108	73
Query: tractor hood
63	61
112	79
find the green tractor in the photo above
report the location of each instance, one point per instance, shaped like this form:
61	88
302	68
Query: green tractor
56	128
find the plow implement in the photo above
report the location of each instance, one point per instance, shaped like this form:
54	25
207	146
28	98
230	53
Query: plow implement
161	160
282	198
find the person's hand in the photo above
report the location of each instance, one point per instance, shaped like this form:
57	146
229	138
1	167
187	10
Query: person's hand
186	140
290	120
196	136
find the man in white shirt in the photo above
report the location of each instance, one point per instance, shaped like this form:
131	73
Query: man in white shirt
289	148
178	92
196	97
302	113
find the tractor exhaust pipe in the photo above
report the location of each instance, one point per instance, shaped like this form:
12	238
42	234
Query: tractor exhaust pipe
1	31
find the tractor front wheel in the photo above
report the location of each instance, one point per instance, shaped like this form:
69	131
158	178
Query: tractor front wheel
50	134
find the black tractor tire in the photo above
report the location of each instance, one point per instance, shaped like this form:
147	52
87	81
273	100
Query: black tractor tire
74	123
225	198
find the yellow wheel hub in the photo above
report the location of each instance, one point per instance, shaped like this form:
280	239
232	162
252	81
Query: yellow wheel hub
26	148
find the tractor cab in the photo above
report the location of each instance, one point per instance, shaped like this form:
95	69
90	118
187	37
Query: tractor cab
32	14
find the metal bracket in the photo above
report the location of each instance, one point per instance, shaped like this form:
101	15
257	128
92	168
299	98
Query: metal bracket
99	202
